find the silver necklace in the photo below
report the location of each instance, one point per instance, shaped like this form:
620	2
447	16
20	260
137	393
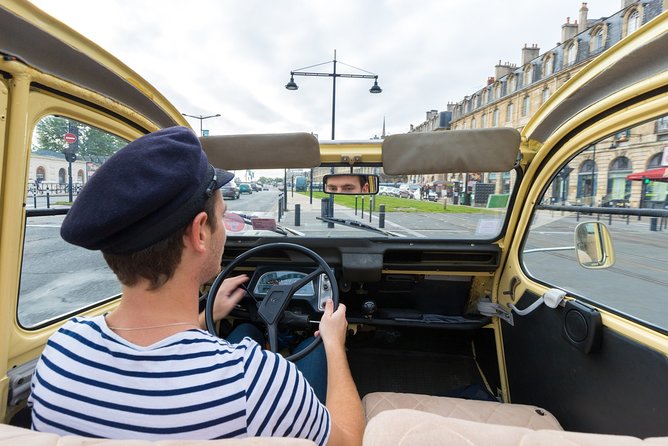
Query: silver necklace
153	326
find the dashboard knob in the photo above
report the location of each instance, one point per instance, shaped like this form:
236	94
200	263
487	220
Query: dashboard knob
369	308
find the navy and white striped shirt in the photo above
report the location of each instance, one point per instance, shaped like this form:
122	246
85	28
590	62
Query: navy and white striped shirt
89	381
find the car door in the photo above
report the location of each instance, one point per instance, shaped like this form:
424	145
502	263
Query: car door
598	360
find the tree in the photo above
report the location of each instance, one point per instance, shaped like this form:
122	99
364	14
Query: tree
91	142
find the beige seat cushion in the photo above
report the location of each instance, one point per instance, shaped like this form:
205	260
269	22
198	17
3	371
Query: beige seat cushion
15	436
405	427
531	417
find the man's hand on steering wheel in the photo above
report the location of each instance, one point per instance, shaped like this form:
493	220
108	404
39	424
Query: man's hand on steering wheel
333	325
272	308
228	296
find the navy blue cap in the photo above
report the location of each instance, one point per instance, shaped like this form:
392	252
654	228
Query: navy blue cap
142	194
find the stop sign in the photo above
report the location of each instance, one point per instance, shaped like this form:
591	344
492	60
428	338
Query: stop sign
70	138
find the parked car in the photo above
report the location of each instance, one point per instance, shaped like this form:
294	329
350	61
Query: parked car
245	188
230	190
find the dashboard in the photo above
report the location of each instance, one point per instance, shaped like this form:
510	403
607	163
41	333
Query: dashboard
315	292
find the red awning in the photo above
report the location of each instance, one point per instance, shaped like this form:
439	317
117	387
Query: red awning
660	174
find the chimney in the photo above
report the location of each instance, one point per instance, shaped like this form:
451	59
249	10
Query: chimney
501	70
529	53
568	30
490	80
431	114
582	21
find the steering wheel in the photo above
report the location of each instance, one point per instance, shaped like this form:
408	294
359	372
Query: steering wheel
272	307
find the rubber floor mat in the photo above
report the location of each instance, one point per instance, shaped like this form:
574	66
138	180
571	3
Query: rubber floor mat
378	369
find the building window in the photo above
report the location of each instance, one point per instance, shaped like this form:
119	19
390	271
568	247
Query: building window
61	176
528	75
472	123
571	53
512	83
495	118
526	105
40	174
619	188
483	121
662	125
509	112
586	188
597	39
548	66
545	95
80	176
498	91
632	21
622	136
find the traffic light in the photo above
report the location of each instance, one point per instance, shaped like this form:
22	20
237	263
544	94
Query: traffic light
70	156
645	180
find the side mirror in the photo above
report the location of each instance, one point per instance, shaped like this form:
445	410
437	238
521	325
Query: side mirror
351	184
593	245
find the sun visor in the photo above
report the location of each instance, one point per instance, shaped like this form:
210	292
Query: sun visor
264	151
481	150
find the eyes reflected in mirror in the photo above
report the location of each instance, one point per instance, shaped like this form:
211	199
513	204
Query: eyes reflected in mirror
351	184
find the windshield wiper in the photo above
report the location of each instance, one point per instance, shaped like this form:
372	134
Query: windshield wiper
358	224
277	228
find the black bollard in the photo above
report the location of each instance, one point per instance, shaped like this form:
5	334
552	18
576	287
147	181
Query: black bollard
298	209
48	201
381	216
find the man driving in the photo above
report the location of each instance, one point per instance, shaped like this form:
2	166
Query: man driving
147	369
346	184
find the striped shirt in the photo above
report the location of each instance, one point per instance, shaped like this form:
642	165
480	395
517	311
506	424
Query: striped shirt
89	381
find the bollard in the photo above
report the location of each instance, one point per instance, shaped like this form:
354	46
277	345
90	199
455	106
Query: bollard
381	216
48	201
609	219
356	197
298	208
362	206
34	199
324	210
324	203
280	208
653	224
372	206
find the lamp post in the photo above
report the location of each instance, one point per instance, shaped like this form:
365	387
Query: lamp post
201	118
291	85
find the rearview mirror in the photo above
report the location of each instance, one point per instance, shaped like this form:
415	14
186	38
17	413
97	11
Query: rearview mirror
351	184
593	245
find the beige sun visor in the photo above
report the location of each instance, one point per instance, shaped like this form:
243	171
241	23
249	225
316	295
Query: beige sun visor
475	150
262	151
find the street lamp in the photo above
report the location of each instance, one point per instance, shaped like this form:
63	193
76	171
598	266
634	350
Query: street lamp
292	85
201	118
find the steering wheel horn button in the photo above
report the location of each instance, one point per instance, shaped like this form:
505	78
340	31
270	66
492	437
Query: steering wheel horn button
274	304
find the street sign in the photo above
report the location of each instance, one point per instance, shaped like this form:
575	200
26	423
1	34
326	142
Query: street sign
205	133
70	138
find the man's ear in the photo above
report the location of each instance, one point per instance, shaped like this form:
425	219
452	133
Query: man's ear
197	232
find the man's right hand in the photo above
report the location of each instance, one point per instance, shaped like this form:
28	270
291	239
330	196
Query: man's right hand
333	325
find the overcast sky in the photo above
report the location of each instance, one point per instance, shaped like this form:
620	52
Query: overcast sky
234	57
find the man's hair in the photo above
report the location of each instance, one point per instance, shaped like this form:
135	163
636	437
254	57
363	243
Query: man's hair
156	263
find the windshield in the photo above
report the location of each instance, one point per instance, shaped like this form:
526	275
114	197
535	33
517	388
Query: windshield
292	203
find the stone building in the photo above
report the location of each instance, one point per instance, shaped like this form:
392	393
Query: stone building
516	91
48	172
